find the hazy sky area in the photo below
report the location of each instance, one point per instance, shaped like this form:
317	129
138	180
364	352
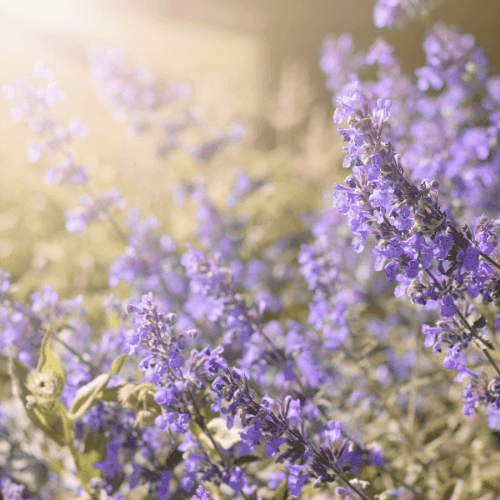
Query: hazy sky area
236	45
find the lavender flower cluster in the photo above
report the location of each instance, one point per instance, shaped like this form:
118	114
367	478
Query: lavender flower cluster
288	368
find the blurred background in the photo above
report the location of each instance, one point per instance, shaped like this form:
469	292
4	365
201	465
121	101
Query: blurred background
234	50
255	61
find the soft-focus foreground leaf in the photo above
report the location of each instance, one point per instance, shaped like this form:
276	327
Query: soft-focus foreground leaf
94	451
47	360
89	394
117	364
52	423
86	396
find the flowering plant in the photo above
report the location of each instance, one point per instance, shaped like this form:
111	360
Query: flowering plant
269	362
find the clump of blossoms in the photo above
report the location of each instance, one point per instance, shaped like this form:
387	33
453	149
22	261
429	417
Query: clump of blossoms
33	97
138	96
11	490
247	395
417	241
177	383
443	122
92	208
135	93
389	13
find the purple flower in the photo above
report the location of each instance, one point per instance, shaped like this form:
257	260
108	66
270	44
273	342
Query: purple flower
430	333
411	270
334	431
162	487
294	416
201	494
91	208
272	446
471	261
296	480
448	308
10	490
237	479
391	270
111	465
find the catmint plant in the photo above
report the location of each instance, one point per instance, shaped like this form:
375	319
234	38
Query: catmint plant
413	231
238	364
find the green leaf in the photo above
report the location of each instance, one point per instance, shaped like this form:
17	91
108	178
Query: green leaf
173	459
110	394
139	493
246	459
18	373
47	360
281	493
480	323
434	430
117	364
447	492
52	423
88	395
69	433
94	451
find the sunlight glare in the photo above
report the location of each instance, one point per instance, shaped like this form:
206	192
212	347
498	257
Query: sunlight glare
39	11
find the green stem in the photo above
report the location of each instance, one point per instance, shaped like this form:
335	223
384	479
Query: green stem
200	420
412	405
490	260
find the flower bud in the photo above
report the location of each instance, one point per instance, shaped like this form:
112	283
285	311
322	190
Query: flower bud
45	386
171	318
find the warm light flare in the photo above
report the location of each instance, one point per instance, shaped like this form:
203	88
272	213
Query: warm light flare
39	11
